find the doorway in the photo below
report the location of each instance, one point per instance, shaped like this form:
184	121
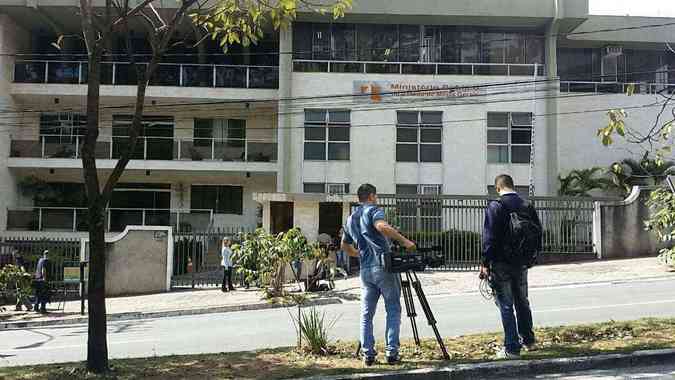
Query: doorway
281	217
330	218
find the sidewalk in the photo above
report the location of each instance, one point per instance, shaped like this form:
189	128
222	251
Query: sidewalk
200	301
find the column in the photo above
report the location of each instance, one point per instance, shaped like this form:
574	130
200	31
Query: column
284	117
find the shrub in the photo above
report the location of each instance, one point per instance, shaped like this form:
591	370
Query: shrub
314	328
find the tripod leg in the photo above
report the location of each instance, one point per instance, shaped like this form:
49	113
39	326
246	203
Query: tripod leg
429	314
410	306
358	350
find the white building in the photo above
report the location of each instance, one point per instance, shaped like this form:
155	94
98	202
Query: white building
424	96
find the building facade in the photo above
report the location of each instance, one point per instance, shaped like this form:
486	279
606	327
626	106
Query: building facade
421	97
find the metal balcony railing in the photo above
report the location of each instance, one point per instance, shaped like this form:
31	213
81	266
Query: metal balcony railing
417	68
75	219
150	148
167	74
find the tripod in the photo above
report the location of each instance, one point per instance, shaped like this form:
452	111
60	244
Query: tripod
409	281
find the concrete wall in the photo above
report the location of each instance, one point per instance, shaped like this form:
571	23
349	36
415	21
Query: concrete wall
139	261
622	232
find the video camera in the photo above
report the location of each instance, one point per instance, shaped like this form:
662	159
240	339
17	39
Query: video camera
400	261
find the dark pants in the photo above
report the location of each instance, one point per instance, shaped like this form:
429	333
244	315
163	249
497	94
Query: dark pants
510	286
227	279
41	295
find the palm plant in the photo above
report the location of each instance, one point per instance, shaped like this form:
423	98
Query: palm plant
580	182
630	172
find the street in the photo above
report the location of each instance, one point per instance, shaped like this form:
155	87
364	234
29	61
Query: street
229	332
661	372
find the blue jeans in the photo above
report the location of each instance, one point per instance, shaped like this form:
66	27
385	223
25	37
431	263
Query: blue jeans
375	282
510	286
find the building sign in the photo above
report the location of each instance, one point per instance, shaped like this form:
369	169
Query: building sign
71	274
396	91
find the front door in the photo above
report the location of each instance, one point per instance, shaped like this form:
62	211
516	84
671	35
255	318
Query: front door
281	217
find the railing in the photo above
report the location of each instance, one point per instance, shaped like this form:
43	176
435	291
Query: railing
419	68
62	252
616	87
150	148
167	74
455	224
75	219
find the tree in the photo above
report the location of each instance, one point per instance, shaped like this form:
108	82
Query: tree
580	182
228	21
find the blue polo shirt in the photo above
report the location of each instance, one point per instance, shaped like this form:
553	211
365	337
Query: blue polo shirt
360	229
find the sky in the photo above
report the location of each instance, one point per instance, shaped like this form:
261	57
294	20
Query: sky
649	8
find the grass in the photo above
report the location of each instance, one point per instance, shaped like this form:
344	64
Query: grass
553	342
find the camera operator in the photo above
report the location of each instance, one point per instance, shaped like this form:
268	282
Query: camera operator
511	241
367	229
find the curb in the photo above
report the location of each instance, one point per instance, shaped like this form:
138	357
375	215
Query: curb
520	367
159	314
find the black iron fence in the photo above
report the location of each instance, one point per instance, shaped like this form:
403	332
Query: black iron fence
196	256
63	252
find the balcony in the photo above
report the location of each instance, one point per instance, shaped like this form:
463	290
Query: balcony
150	148
62	219
416	68
616	87
167	74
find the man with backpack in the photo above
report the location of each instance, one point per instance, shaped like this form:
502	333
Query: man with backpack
512	239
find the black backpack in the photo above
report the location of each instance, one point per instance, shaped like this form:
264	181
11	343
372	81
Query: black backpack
523	236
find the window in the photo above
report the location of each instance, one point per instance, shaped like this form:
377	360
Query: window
220	199
523	191
62	127
419	136
326	188
230	131
327	135
419	213
509	137
156	137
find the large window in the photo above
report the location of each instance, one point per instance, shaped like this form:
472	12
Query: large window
415	43
230	131
509	137
326	188
62	127
327	135
419	136
220	199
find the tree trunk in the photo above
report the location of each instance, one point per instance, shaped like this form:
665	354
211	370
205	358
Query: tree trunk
97	345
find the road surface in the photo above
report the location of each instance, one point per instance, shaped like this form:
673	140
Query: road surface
231	332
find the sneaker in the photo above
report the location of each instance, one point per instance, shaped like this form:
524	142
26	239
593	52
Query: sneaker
505	355
530	347
368	361
393	360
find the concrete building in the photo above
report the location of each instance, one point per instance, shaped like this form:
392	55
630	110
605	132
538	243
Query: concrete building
415	97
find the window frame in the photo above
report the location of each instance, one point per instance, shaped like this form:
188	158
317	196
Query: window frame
325	187
509	128
63	128
237	209
327	141
422	219
419	127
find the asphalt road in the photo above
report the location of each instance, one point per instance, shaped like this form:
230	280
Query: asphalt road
662	372
229	332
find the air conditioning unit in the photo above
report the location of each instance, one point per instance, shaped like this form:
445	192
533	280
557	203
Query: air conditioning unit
336	188
430	190
613	51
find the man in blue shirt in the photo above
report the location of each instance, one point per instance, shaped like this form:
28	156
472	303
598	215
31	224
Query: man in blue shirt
509	281
367	229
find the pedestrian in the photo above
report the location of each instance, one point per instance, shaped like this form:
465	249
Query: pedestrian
226	263
367	229
506	267
341	256
21	297
41	284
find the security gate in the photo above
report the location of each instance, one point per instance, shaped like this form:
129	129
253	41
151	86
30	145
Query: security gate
454	224
196	256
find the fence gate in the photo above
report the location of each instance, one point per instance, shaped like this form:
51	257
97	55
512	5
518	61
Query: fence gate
196	256
454	224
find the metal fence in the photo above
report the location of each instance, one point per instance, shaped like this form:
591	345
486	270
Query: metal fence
62	252
454	224
196	256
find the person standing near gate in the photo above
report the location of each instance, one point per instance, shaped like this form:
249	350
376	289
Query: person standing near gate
226	263
512	238
367	229
41	284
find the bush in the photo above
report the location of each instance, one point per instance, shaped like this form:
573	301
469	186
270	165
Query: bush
314	328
